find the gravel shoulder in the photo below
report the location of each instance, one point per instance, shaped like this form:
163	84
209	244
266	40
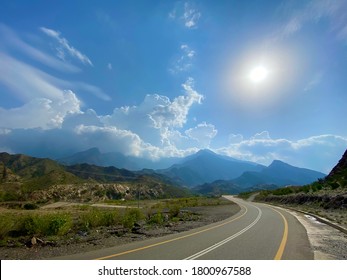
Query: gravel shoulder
327	242
111	236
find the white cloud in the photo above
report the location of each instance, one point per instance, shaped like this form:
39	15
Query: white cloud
186	13
185	60
317	152
64	46
12	41
191	16
203	134
109	66
150	129
261	136
315	11
235	138
40	113
26	81
110	138
156	114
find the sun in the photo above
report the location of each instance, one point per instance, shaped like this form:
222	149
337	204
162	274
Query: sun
258	74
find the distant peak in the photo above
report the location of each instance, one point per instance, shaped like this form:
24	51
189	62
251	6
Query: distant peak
93	150
205	152
277	162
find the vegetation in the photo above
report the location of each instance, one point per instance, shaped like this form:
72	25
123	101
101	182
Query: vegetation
66	223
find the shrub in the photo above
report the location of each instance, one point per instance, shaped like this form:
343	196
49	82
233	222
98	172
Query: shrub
131	216
174	210
157	218
48	224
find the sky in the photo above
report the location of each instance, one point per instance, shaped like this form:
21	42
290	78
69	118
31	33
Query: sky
254	80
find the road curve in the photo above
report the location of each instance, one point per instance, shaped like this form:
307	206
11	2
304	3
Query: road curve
257	232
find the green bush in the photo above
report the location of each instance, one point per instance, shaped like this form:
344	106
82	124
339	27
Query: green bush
174	210
47	224
157	218
131	216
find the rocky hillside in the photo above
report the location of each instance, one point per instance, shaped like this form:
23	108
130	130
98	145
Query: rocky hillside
25	178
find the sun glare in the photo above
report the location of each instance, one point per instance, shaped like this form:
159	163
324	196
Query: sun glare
258	74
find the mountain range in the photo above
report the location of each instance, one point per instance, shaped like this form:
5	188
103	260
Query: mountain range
204	167
325	193
277	174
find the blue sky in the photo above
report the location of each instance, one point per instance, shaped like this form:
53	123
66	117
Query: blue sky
156	79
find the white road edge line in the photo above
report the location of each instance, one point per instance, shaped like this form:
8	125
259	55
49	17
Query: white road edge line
221	243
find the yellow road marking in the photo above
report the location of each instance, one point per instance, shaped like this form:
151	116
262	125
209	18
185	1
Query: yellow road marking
174	239
284	237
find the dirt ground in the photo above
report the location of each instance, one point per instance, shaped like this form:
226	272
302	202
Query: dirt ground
111	236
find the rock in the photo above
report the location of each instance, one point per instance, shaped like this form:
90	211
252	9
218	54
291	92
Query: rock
33	241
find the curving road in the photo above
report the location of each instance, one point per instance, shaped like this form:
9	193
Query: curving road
257	232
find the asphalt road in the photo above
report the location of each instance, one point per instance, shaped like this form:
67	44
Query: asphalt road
257	232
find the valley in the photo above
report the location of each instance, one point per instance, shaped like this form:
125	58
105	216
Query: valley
48	209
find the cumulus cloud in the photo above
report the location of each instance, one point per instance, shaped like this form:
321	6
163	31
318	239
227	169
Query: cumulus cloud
157	114
40	112
203	133
264	135
317	152
64	46
150	129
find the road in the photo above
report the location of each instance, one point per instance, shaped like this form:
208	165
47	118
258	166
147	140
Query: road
257	232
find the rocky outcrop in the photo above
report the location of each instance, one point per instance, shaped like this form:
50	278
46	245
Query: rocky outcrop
341	167
93	192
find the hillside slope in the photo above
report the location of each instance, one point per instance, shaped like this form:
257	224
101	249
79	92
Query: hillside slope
28	178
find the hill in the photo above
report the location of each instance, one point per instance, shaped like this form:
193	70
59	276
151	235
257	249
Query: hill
28	178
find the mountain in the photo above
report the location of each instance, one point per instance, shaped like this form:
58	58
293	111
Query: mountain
325	193
206	166
277	174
